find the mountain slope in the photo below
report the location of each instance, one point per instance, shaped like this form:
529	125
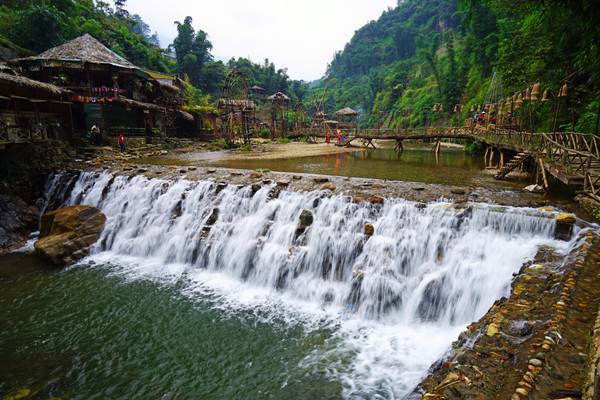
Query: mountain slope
427	52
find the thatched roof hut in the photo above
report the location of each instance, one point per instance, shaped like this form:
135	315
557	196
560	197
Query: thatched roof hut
279	96
257	88
347	112
81	50
16	85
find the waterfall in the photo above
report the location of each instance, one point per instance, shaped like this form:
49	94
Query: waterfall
426	272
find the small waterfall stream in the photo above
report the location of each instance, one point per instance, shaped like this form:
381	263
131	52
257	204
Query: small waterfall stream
403	294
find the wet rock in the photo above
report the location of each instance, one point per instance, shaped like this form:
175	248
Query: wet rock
565	218
328	186
369	229
283	183
220	187
564	226
275	192
211	171
18	220
519	328
534	189
375	199
535	362
192	168
236	174
458	191
296	177
492	330
214	216
67	234
321	179
418	188
255	188
306	219
267	181
142	170
358	199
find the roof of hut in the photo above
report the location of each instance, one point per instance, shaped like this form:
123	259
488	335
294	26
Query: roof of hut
257	88
84	49
346	112
30	84
279	96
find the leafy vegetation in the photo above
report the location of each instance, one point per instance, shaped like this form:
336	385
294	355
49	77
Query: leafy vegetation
37	25
427	52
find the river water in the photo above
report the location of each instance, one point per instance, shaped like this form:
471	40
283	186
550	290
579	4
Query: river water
181	301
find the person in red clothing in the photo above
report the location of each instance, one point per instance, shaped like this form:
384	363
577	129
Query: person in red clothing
327	136
121	141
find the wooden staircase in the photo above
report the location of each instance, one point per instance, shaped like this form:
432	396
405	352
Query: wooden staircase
516	162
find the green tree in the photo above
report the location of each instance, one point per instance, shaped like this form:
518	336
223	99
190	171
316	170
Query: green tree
192	51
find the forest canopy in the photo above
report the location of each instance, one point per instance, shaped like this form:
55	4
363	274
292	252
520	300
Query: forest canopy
427	52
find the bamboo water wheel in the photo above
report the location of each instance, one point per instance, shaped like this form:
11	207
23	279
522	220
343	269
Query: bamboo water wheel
237	112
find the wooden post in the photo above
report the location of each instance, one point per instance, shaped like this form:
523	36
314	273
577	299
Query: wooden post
437	146
501	159
544	173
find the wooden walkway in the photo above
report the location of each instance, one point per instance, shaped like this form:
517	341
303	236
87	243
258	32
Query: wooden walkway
572	158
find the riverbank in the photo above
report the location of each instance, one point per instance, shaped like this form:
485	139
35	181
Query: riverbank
536	342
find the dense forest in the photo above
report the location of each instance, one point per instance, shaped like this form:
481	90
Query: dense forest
32	26
428	52
394	70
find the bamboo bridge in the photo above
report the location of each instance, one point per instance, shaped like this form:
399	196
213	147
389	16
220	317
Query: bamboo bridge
571	158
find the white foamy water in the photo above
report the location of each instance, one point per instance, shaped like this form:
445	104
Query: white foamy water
396	300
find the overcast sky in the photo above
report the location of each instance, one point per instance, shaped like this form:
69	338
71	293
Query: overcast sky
300	35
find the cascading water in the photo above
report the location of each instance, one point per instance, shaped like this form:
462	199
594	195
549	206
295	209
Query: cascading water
398	298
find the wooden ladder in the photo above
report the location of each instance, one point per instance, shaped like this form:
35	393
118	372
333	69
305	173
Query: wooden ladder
513	164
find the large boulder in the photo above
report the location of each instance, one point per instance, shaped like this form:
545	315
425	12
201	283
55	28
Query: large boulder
67	234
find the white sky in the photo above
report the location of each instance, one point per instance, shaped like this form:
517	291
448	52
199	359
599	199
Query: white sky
300	35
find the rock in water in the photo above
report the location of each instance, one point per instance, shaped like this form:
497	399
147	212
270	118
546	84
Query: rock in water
306	219
67	234
375	199
534	189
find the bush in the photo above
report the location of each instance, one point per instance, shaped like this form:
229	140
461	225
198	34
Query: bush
264	133
474	147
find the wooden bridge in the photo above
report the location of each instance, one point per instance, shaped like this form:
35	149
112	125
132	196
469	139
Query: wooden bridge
571	158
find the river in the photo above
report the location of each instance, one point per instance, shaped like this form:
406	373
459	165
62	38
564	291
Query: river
179	301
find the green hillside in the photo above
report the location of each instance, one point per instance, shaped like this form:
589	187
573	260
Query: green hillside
425	52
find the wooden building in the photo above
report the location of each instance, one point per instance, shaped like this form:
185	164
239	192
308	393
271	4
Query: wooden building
107	90
32	110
